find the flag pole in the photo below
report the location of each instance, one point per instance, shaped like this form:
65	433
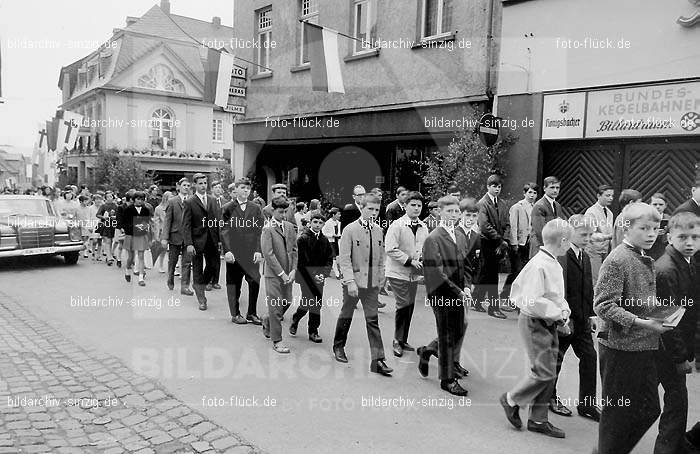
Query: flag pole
305	21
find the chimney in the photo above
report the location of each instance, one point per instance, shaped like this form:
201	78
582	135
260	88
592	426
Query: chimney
165	6
131	20
216	20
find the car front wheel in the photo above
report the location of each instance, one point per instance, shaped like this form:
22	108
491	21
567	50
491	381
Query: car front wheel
71	257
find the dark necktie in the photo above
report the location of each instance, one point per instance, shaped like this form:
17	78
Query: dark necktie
580	258
414	227
554	209
369	265
495	202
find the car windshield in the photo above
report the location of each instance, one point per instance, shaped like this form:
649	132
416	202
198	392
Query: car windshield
25	207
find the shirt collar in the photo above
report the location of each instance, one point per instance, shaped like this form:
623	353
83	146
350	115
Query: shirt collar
493	199
277	224
575	248
639	251
446	226
549	199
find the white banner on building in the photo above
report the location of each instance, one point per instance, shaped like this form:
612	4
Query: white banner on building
655	110
562	115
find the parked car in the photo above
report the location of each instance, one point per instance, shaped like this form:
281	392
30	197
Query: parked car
29	225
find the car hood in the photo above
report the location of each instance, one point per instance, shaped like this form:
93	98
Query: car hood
14	222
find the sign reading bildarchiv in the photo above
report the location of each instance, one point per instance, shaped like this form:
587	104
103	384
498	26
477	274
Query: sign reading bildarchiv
562	115
656	110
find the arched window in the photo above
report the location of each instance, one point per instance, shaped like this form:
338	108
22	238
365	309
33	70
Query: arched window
162	126
160	77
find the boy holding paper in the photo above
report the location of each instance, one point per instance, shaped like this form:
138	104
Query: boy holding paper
676	284
538	292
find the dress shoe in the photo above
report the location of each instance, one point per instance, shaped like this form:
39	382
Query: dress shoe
171	286
203	306
239	320
266	327
496	313
208	288
142	283
545	428
127	277
293	329
119	263
589	412
216	286
478	307
380	304
558	407
461	370
186	291
279	347
379	367
383	292
254	319
339	353
453	387
407	347
423	361
512	412
398	350
314	337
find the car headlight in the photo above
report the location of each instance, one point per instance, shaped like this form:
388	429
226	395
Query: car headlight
74	233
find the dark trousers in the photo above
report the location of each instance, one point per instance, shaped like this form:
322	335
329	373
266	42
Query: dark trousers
630	398
582	342
370	301
216	269
487	286
174	251
451	326
405	294
235	272
674	416
517	262
201	273
311	302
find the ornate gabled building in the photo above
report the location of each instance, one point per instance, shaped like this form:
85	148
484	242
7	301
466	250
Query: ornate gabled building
142	92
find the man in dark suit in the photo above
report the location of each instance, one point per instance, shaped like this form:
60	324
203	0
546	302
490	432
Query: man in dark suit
280	190
397	208
217	192
543	211
174	240
444	269
578	292
352	211
494	223
242	223
200	226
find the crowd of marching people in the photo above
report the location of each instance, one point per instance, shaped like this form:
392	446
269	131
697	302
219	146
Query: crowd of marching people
577	282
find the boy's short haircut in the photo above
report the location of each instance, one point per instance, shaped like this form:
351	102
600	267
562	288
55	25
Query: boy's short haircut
432	204
129	195
494	180
528	186
279	201
182	180
97	197
604	187
658	195
316	214
633	212
582	221
198	176
550	181
243	181
447	200
468	205
629	195
400	189
215	183
371	198
83	198
555	230
452	189
278	186
300	206
333	211
414	195
138	195
684	220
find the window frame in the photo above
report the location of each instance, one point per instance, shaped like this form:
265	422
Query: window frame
161	128
439	20
263	51
217	129
357	47
312	17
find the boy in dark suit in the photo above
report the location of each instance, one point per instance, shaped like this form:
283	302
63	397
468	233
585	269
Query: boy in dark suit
200	226
351	211
578	292
677	284
279	248
494	222
544	210
174	239
314	265
242	224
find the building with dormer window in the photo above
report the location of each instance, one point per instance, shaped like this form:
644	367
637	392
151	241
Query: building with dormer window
142	92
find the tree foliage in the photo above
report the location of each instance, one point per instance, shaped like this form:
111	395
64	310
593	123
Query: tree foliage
120	172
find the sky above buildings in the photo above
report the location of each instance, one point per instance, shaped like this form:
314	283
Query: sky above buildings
38	37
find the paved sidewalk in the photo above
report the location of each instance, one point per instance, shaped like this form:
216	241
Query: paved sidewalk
60	397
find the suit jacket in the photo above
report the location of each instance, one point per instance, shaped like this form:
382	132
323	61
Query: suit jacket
494	223
315	256
444	265
519	215
578	289
219	203
349	214
688	205
541	214
471	254
241	230
200	222
353	257
431	221
172	227
394	212
279	249
674	280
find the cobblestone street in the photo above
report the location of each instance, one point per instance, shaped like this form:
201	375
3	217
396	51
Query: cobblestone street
58	396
